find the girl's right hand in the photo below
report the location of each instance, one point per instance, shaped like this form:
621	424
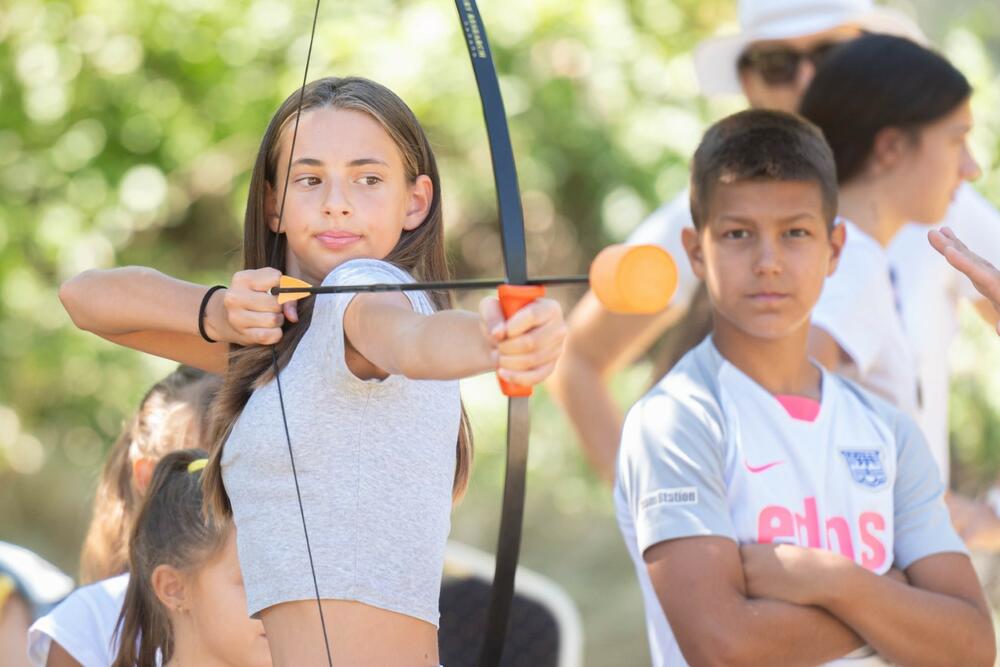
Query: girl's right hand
247	314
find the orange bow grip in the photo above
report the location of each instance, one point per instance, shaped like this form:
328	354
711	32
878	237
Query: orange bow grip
512	299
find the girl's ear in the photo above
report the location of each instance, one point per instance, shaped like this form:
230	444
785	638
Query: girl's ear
170	586
419	204
142	473
891	146
271	207
691	238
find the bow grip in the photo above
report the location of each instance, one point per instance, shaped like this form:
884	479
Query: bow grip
512	299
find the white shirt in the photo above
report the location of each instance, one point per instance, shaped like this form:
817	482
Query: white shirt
663	228
40	582
930	291
83	624
858	308
708	451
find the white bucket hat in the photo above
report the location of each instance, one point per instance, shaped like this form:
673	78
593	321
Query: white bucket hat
715	59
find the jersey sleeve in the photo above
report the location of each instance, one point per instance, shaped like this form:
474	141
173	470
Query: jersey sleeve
922	526
663	228
977	222
851	307
671	471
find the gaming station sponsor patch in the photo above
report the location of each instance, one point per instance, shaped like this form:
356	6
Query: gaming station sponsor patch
684	495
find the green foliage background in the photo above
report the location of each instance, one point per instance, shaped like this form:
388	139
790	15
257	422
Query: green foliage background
127	131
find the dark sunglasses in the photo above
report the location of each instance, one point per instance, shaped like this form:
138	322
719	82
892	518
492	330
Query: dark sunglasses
779	66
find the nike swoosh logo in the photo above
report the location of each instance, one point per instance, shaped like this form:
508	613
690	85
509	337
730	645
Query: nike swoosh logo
760	469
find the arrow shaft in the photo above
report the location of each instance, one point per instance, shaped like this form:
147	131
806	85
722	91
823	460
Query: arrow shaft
420	287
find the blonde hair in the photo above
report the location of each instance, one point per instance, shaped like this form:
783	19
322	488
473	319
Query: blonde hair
172	415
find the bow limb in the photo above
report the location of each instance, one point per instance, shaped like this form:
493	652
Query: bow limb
513	296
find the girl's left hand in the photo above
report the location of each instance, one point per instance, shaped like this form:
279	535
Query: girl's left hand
788	572
527	345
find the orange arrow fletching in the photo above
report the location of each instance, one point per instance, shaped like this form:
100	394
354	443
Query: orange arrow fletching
637	279
289	282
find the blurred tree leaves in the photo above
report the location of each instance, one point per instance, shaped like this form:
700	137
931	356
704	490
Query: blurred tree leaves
127	130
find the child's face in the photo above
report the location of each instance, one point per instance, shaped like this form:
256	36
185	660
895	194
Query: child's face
348	194
764	252
218	608
923	175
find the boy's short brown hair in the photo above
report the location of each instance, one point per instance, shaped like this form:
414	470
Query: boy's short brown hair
761	145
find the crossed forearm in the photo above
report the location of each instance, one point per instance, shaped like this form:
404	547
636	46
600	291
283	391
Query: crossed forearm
909	625
772	632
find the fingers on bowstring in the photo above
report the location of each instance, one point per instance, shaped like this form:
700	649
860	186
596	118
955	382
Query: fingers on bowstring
258	280
268	336
242	299
248	319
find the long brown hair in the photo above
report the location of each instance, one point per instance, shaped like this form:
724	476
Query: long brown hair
172	415
170	529
419	251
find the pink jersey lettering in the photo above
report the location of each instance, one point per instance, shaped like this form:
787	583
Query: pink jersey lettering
868	523
775	522
838	534
781	524
809	523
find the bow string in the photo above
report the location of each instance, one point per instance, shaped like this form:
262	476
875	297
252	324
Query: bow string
515	292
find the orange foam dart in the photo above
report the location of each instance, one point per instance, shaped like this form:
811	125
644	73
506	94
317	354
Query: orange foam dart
289	282
636	279
512	299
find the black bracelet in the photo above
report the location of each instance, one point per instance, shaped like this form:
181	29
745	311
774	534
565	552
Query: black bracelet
201	312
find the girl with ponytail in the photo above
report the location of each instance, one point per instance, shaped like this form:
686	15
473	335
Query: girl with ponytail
185	603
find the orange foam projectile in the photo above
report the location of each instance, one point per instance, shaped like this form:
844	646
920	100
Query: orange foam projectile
288	281
637	279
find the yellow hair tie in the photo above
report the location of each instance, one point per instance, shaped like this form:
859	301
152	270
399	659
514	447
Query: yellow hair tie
197	465
7	588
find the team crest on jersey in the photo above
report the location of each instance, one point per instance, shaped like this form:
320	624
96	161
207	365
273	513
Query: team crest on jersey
866	466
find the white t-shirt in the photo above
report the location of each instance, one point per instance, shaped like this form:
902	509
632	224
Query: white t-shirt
930	291
83	624
708	451
663	228
858	308
40	582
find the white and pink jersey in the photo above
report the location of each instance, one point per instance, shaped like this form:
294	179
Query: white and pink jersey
708	451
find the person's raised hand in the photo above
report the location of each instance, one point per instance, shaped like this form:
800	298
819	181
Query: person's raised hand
984	276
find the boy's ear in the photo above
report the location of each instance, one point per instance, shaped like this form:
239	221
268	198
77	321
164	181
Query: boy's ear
691	238
142	473
271	207
838	237
419	204
170	586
